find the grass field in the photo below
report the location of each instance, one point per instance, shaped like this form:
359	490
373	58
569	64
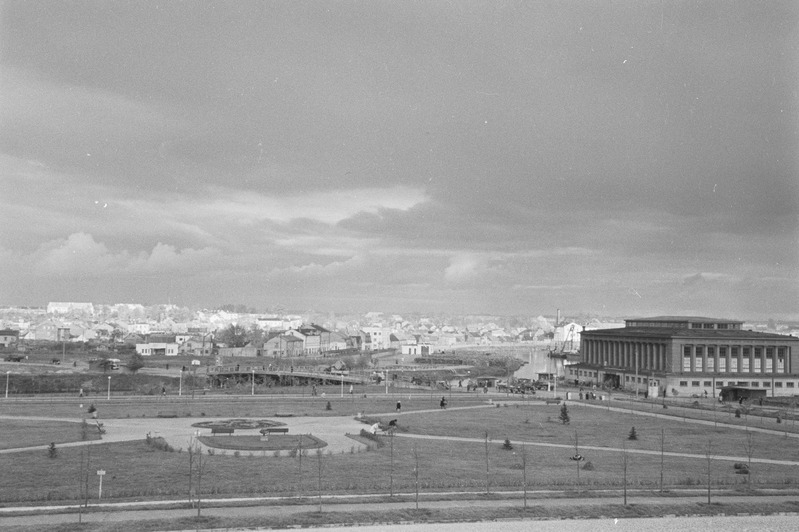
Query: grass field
136	470
24	433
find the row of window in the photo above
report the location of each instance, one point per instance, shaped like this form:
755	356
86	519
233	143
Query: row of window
747	384
742	359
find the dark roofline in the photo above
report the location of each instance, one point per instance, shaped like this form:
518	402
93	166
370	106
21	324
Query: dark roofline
662	332
695	319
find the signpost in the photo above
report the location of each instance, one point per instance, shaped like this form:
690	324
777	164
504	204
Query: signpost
101	474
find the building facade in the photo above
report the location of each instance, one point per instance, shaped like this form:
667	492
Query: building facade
688	356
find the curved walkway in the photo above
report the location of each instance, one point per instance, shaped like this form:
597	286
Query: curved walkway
179	432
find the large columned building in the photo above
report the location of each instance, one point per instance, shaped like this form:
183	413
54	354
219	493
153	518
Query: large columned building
688	355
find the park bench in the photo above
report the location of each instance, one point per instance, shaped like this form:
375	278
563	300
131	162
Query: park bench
553	401
274	430
222	430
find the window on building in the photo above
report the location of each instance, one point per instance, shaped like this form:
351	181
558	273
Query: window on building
719	384
711	362
696	326
766	384
687	350
686	363
780	364
700	351
754	384
683	383
757	366
789	385
707	383
722	363
745	365
778	384
769	364
747	352
734	364
694	383
721	326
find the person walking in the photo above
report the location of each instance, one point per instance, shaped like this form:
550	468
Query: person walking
443	402
399	406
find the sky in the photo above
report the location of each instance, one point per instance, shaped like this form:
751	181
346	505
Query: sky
610	158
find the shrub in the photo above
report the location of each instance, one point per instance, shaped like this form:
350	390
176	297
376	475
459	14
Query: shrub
633	435
564	414
588	466
52	452
329	406
737	412
507	445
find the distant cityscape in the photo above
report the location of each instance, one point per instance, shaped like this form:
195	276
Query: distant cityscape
194	331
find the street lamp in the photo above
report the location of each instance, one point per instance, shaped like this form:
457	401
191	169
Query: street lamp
252	392
109	387
7	375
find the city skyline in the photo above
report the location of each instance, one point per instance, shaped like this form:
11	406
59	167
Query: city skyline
472	158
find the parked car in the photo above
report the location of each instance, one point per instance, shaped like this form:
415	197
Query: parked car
14	358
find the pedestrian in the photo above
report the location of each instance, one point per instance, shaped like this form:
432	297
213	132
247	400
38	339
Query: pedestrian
443	402
399	406
163	391
350	389
80	394
313	390
581	396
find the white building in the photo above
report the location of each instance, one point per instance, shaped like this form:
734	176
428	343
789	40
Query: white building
59	307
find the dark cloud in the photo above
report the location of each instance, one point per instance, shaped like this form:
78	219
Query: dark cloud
606	151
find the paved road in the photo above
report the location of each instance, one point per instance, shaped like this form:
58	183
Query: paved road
329	504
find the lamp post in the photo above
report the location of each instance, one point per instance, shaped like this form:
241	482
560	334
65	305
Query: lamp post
109	388
180	383
7	375
252	392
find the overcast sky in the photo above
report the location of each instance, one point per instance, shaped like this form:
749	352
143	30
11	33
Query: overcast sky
619	158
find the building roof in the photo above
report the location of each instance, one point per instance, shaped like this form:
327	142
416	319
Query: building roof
663	332
696	319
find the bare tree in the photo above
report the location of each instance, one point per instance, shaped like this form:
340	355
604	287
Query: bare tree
319	476
524	473
624	469
199	464
708	456
662	446
391	463
749	447
416	473
488	475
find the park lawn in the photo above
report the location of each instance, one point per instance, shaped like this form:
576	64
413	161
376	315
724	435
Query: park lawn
258	406
136	470
25	433
595	427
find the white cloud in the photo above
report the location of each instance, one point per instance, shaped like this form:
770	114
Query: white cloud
463	268
80	254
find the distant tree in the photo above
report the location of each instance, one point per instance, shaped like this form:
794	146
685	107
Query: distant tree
633	435
564	414
136	362
116	336
233	336
105	364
